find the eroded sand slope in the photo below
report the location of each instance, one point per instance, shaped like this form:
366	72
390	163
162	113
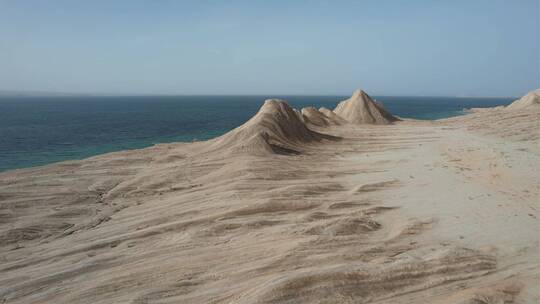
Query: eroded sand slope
279	212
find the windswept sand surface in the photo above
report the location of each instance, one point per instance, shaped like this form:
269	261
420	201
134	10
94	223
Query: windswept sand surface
413	212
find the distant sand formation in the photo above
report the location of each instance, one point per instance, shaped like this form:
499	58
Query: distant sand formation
332	117
362	109
532	99
280	129
276	128
314	117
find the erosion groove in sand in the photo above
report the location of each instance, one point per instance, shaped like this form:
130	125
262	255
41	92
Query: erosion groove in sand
351	206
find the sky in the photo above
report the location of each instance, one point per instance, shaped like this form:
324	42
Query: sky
419	48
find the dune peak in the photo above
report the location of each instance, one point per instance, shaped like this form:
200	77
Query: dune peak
332	117
531	99
358	93
315	117
276	128
360	108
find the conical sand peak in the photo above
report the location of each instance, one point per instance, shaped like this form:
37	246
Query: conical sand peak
362	109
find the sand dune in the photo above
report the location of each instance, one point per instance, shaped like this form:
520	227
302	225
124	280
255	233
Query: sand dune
276	212
314	117
332	117
276	128
532	99
362	109
519	121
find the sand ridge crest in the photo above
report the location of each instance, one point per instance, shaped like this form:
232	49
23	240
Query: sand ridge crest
315	117
531	99
332	117
276	129
360	108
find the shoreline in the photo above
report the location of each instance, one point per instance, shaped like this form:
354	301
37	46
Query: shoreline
464	112
32	140
415	211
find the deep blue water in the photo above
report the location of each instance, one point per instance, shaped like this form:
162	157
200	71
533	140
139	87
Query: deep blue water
41	130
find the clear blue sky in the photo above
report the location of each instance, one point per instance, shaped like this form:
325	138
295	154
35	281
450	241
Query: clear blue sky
463	47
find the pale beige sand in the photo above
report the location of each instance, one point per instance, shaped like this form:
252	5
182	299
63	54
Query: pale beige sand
332	117
314	117
362	109
532	99
275	212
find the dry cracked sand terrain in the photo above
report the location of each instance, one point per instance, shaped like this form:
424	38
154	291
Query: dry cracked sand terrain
288	208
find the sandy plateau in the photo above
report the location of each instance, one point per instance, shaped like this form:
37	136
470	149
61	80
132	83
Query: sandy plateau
350	206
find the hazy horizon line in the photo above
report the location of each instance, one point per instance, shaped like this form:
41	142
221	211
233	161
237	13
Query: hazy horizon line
15	93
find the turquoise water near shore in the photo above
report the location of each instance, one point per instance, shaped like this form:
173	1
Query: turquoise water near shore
41	130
